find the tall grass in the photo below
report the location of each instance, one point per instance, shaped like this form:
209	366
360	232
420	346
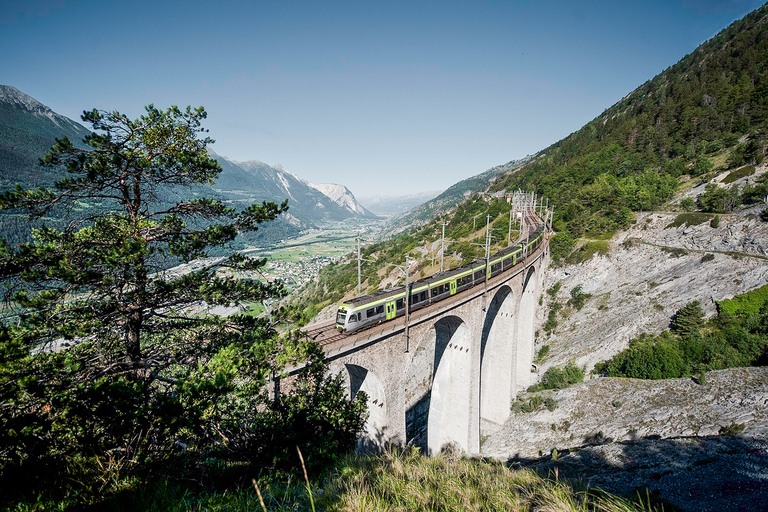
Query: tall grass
405	480
398	480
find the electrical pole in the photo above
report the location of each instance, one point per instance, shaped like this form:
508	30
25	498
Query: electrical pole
442	247
407	301
359	289
509	233
487	238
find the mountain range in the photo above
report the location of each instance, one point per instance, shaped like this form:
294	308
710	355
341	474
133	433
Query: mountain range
28	129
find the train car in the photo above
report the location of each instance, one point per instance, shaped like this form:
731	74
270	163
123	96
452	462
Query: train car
372	309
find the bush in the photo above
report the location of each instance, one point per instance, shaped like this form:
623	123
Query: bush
558	378
707	257
561	245
732	430
688	219
646	358
715	222
718	199
688	204
532	404
738	174
578	298
675	252
747	304
588	250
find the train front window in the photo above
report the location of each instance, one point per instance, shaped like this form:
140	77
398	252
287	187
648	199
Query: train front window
341	316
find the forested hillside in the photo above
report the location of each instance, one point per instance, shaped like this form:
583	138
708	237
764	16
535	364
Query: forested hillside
706	113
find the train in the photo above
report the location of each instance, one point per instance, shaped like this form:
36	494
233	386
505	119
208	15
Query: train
382	306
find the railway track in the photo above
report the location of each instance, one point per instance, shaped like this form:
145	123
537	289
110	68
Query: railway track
325	333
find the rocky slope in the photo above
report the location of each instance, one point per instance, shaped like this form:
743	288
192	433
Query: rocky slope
605	410
651	271
620	434
623	434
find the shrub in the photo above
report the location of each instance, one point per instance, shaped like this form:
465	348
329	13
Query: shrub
532	404
688	204
747	304
550	403
558	378
738	174
561	245
646	358
578	298
718	199
732	430
675	252
707	257
715	222
688	219
588	250
541	354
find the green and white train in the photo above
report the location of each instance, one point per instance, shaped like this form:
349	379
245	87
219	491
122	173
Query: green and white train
385	305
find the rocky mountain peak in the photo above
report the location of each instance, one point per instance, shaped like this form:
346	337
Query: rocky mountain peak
10	94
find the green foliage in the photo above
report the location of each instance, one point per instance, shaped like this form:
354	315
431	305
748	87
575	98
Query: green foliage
688	320
105	358
733	429
559	378
646	358
745	171
747	304
707	257
717	199
533	404
675	252
561	245
578	298
688	219
551	323
715	222
688	204
550	403
588	250
737	336
541	354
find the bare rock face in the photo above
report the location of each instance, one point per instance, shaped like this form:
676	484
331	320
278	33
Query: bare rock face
651	271
605	410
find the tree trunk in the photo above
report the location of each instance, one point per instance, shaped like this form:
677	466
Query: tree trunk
133	336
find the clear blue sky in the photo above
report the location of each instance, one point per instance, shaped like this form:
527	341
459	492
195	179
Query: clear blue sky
383	96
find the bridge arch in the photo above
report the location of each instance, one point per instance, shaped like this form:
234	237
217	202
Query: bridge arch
524	332
449	421
374	433
498	363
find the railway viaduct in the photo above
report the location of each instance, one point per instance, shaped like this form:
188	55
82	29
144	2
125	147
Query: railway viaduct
449	378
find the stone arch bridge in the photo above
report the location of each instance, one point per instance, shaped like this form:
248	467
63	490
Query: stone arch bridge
466	359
